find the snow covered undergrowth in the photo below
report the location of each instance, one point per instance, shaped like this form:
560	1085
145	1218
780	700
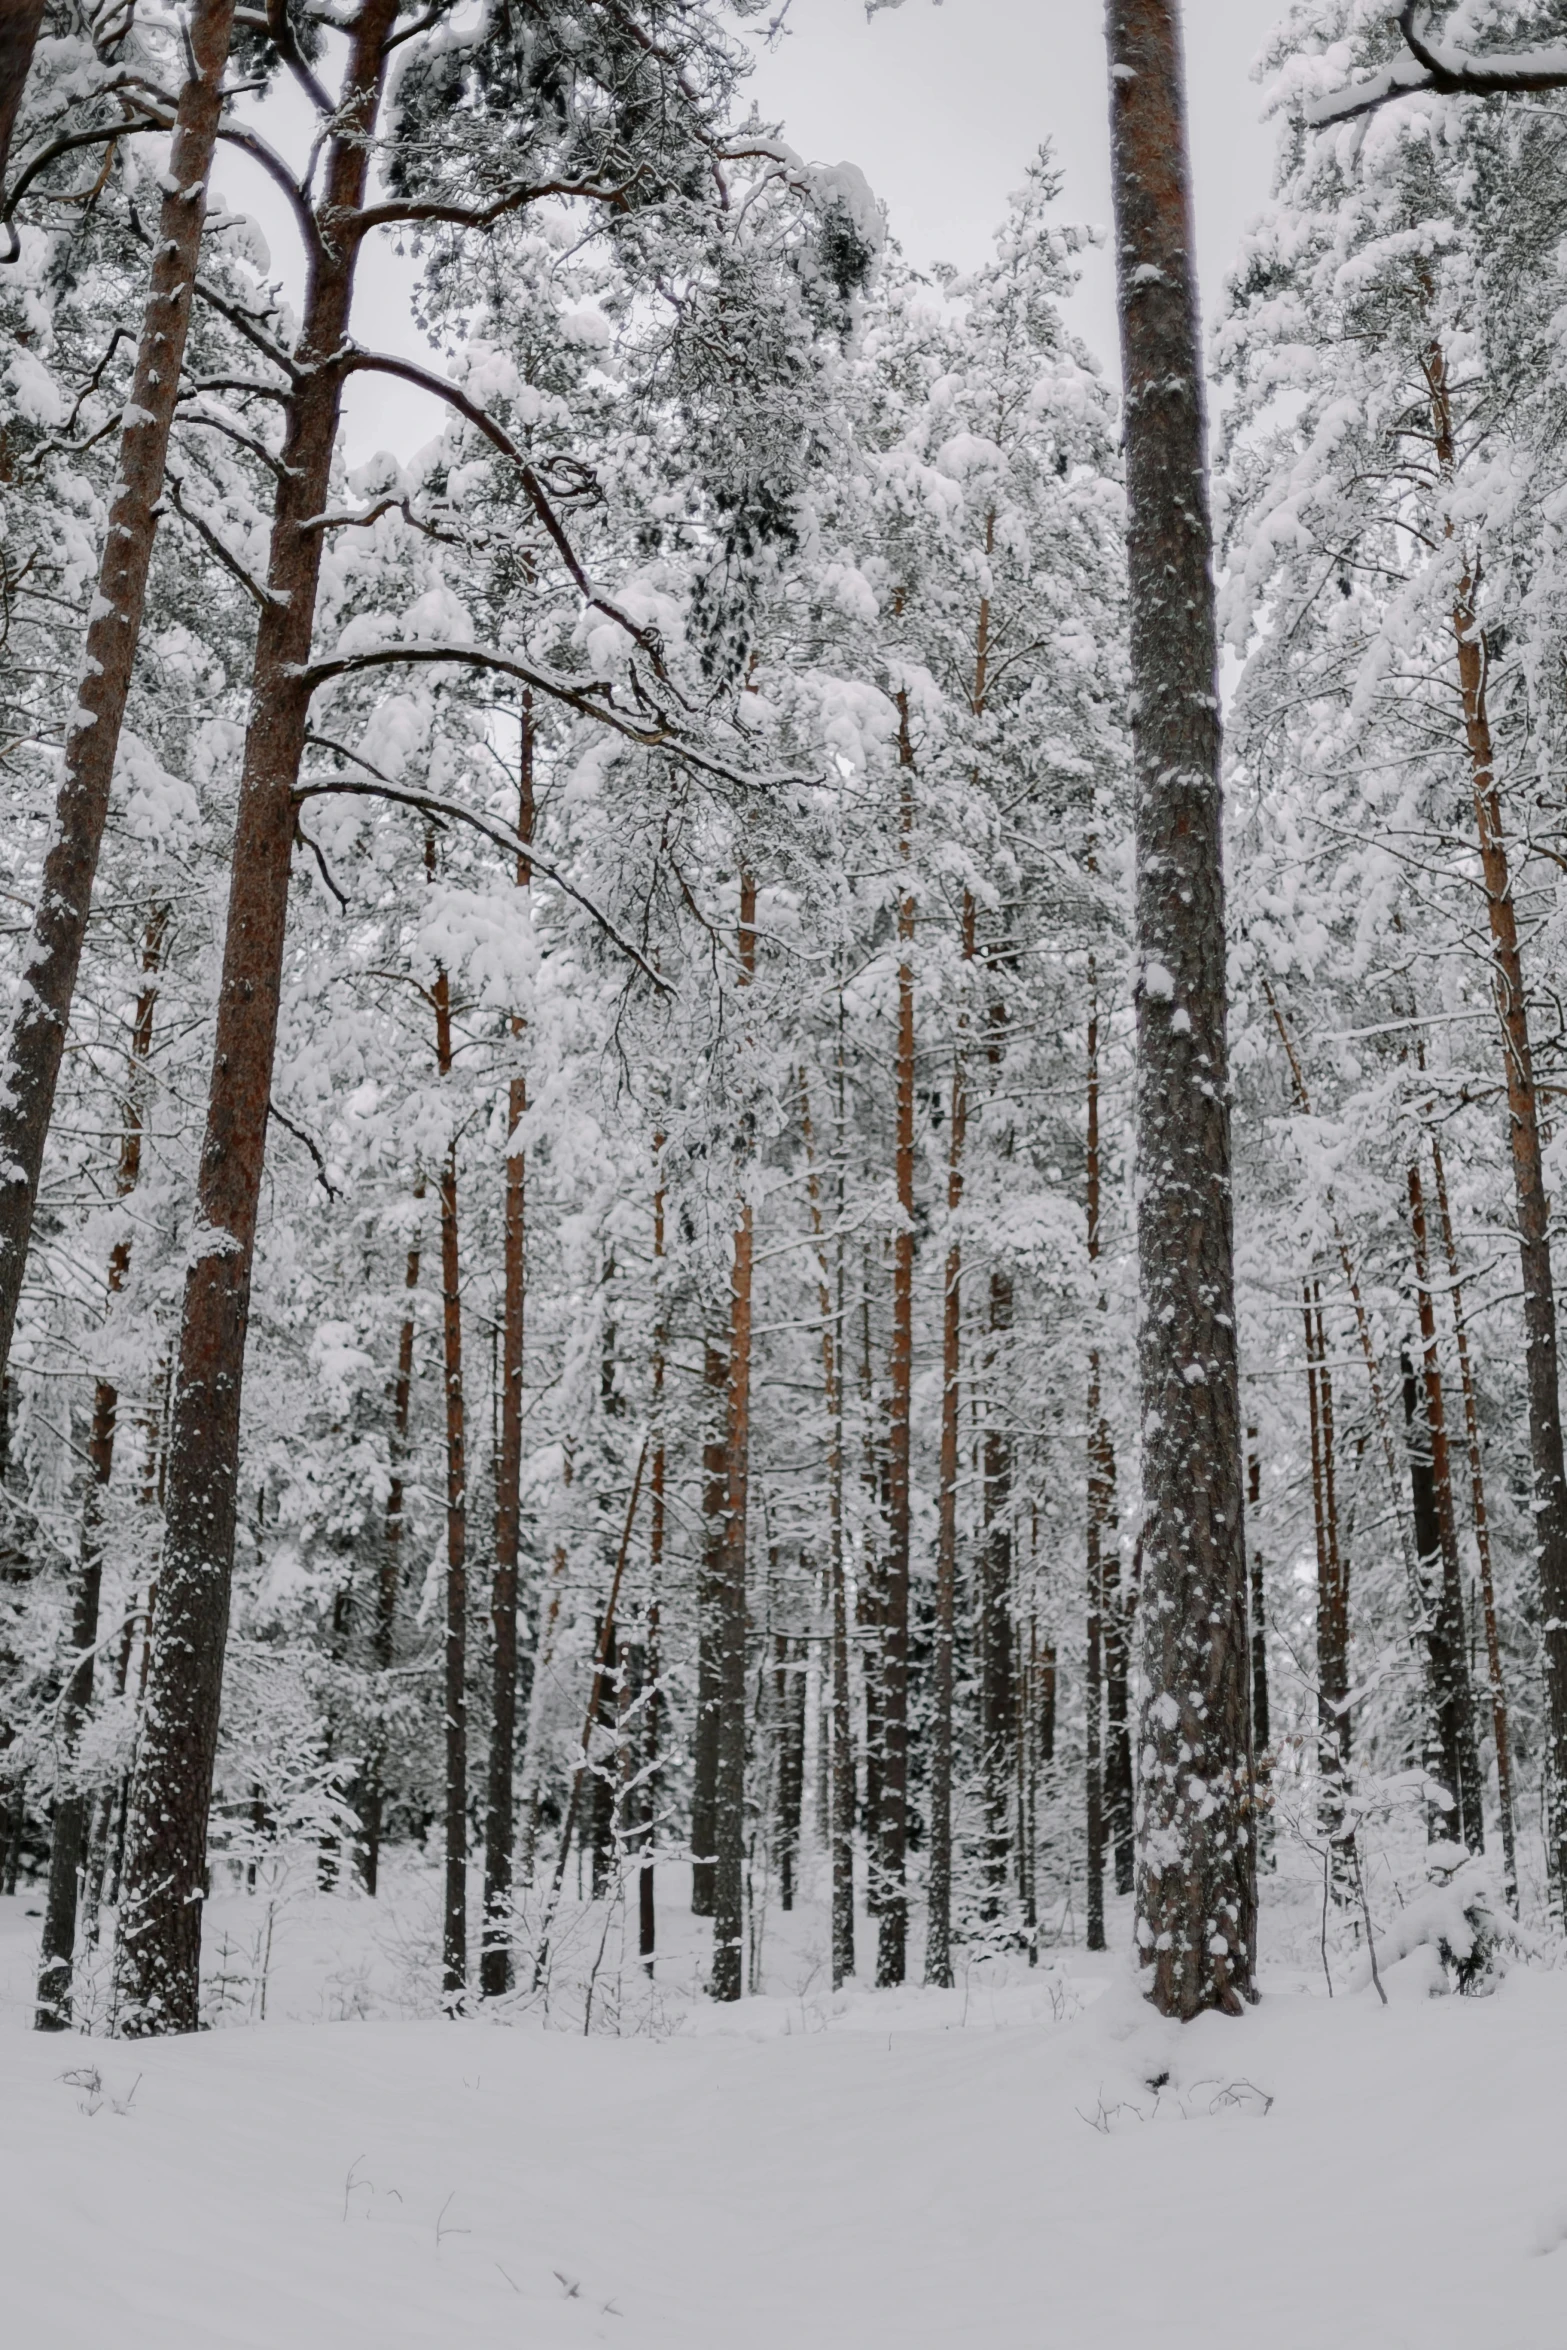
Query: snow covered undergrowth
995	2166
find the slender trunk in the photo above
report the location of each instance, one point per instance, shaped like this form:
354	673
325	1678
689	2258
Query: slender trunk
454	1930
1261	1720
938	1928
1531	1202
1449	1656
1197	1878
841	1783
729	1779
20	24
599	1826
647	1933
389	1579
789	1717
893	1903
57	1944
1101	1499
1333	1720
158	1953
495	1958
53	957
704	1759
870	1607
1482	1533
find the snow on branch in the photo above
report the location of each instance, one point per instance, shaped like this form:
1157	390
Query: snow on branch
1429	63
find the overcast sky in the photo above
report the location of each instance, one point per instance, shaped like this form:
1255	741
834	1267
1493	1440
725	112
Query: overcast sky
941	107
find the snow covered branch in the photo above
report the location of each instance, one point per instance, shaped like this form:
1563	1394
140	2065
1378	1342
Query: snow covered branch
1430	63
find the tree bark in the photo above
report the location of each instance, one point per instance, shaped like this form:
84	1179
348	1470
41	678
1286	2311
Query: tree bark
840	1709
938	1889
54	952
389	1579
158	1954
1101	1501
893	1898
1532	1205
652	1721
495	1958
1333	1712
729	1779
1482	1533
1196	1889
704	1759
1444	1579
454	1911
20	23
57	1943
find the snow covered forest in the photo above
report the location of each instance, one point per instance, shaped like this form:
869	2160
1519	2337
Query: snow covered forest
779	1180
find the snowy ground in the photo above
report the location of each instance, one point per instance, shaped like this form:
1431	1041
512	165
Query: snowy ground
990	2166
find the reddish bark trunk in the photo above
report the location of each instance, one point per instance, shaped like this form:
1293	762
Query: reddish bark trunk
37	1039
158	1955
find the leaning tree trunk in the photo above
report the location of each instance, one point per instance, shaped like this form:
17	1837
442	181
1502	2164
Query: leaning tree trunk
495	1960
54	953
57	1944
158	1953
729	1777
892	1893
1196	1877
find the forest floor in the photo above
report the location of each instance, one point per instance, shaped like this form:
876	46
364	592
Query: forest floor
869	2171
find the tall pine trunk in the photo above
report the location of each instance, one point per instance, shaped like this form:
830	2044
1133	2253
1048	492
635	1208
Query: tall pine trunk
652	1722
54	953
158	1951
1531	1203
1333	1716
1099	1532
1196	1877
20	24
454	1906
495	1958
57	1944
729	1778
709	1606
389	1575
1482	1534
1449	1657
938	1926
840	1718
892	1891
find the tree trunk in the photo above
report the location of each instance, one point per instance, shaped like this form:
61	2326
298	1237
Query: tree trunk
495	1960
893	1898
729	1779
57	1944
1197	1842
840	1708
1449	1657
704	1759
652	1723
54	953
158	1952
938	1927
1482	1532
789	1708
1532	1205
20	22
454	1929
1101	1500
1333	1715
599	1827
389	1580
